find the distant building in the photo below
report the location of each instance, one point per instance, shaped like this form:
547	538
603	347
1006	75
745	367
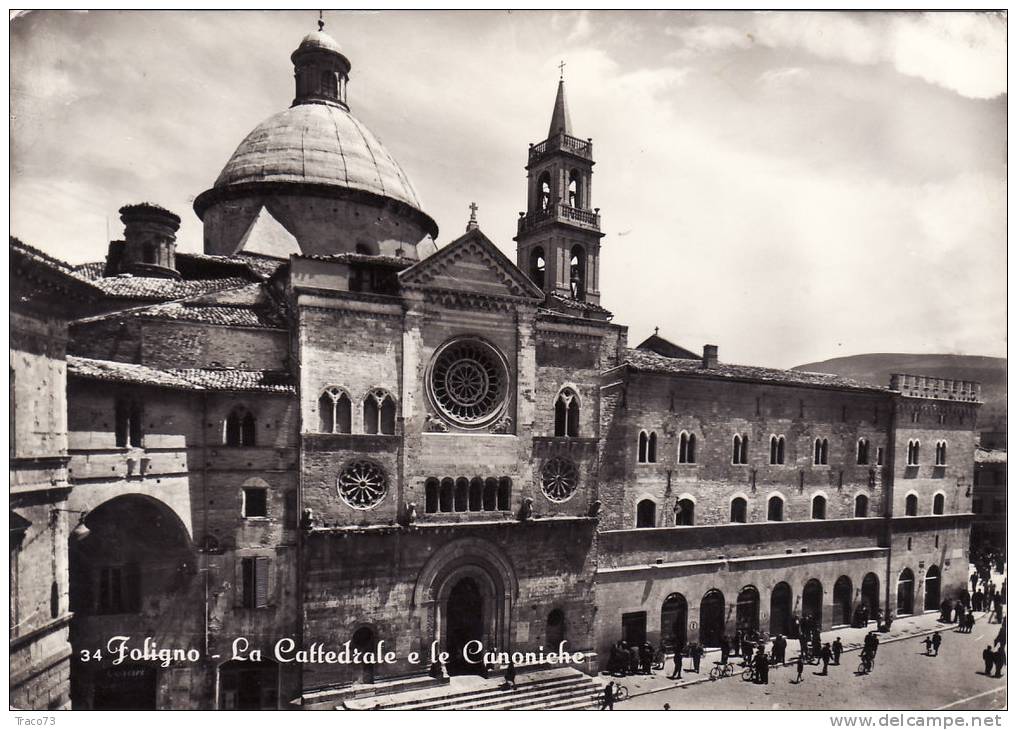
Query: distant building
313	430
988	501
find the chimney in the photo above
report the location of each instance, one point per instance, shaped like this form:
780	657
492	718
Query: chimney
150	233
709	356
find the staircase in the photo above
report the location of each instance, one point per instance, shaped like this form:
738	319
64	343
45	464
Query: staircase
549	689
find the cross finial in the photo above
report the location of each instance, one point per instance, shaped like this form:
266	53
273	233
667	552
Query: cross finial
321	20
473	217
656	330
561	71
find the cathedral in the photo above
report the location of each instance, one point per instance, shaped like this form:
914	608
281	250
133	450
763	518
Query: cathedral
326	428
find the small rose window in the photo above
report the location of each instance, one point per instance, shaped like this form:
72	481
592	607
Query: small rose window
559	479
362	484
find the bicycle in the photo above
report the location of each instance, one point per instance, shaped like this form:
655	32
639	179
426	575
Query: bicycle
660	656
750	674
866	665
720	671
621	693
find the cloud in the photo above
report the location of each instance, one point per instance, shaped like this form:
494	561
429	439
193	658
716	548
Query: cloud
963	52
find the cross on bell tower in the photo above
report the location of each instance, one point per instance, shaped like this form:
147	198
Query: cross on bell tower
558	236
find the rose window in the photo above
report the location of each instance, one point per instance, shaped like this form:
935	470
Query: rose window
559	479
468	383
362	484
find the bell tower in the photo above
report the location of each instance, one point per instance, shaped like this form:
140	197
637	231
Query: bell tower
558	237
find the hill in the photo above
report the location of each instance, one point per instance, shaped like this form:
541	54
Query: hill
876	368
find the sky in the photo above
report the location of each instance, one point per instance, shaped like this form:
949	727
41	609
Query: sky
788	186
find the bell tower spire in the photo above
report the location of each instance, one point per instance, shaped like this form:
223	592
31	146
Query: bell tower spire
558	236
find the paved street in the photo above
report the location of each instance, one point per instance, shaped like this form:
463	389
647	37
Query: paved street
903	679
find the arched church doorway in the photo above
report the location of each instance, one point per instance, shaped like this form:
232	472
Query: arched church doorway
711	618
363	640
674	619
465	612
780	609
127	687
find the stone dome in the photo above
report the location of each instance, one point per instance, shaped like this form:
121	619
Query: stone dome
318	144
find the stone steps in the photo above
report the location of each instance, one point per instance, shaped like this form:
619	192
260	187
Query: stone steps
558	689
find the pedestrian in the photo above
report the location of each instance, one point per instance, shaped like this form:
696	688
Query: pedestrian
762	666
826	655
999	608
608	699
928	645
667	706
799	666
999	659
736	645
936	641
782	649
970	621
974	581
978	600
646	658
725	649
697	655
510	674
988	658
633	659
677	673
838	649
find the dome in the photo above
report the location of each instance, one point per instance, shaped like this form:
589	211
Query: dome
317	144
318	41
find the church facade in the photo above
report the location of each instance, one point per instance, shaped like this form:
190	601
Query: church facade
320	430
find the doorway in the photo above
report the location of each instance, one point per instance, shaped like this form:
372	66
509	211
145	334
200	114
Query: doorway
906	593
248	685
870	593
812	601
843	593
711	618
674	619
932	589
780	609
465	624
130	687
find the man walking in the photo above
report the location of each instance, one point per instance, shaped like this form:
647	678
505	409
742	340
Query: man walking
762	666
608	699
725	649
999	659
697	655
826	655
838	649
799	666
936	641
677	673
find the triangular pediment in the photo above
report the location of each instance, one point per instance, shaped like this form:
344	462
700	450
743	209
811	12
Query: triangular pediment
471	264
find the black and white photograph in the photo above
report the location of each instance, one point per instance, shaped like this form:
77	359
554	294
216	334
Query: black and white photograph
509	360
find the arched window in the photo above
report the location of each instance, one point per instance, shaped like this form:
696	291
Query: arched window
739	510
821	452
861	506
646	513
431	495
490	494
504	493
938	504
911	505
687	448
577	272
334	411
544	190
685	513
329	85
566	413
446	495
574	199
538	266
240	428
914	448
476	494
379	412
863	451
941	453
644	442
129	423
740	449
819	507
777	449
461	496
775	509
651	448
